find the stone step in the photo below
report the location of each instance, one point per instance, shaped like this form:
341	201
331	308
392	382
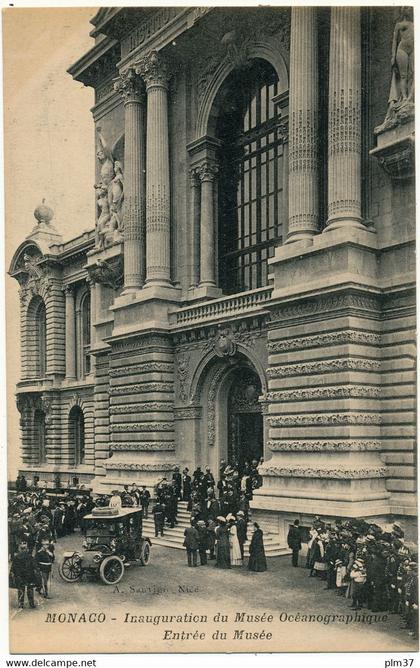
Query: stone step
175	537
178	531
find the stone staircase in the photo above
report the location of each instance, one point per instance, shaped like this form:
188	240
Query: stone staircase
175	537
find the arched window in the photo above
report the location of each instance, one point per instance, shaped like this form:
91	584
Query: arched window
39	437
251	176
85	315
37	337
77	435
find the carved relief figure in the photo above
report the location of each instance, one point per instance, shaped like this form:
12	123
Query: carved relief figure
401	95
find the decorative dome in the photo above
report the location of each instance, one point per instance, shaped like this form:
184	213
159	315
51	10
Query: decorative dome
43	213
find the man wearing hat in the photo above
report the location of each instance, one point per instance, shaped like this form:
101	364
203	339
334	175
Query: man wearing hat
241	528
158	512
191	544
203	541
177	482
186	485
115	500
294	542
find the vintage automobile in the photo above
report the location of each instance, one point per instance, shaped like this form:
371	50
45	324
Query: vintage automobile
114	541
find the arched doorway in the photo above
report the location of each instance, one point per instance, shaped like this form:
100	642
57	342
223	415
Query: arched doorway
232	425
245	437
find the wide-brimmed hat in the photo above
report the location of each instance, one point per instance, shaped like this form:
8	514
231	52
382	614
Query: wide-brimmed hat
240	512
221	519
230	517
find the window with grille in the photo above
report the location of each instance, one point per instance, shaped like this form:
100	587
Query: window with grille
250	178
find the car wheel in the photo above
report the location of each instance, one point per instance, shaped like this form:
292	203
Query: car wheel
70	569
145	554
111	570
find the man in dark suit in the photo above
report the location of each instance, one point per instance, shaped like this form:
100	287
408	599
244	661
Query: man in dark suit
294	542
191	544
186	485
241	530
177	482
25	574
212	507
144	498
159	517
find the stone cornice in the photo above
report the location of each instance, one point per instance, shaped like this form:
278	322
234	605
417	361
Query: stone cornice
125	466
324	366
339	474
143	367
326	419
326	339
142	426
153	446
143	407
358	445
325	392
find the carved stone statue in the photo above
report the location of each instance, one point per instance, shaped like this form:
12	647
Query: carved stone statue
104	155
110	196
103	226
401	95
117	198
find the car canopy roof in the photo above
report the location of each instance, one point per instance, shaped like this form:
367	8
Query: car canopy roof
111	513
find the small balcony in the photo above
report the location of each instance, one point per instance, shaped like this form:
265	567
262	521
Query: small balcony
222	309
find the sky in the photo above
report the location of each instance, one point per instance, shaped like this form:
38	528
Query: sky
48	146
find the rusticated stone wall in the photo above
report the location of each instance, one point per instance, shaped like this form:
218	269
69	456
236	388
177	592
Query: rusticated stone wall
141	378
324	413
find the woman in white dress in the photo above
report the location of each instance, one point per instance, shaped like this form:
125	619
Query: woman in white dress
234	548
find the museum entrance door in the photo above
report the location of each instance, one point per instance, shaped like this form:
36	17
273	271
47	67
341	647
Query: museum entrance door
245	420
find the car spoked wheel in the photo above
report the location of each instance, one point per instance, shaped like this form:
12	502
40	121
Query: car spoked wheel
111	570
145	554
71	569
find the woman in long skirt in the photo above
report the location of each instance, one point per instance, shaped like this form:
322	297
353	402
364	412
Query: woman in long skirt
222	544
257	561
234	548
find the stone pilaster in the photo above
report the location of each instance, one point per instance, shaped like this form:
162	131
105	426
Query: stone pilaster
344	120
195	229
70	333
207	174
130	87
154	72
303	136
93	310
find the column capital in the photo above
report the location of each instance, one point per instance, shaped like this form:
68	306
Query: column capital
69	290
130	87
153	69
207	171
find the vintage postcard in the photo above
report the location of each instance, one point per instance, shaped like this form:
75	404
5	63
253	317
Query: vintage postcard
210	256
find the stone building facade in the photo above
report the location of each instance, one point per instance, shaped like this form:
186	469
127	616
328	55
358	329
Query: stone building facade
248	289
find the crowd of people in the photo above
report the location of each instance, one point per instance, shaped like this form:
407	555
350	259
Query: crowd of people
219	514
35	523
368	565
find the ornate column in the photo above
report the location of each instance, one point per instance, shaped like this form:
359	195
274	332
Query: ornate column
70	333
195	228
154	71
344	120
207	174
131	89
303	124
